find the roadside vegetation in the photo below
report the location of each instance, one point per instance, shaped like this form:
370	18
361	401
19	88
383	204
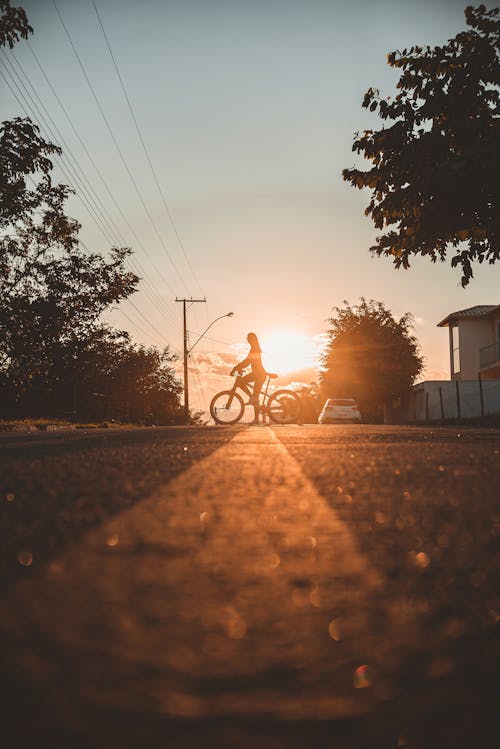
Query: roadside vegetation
434	182
57	358
371	356
435	161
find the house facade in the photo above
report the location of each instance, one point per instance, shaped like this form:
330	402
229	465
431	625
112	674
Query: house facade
474	387
474	342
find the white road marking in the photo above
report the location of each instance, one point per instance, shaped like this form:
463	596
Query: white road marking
214	596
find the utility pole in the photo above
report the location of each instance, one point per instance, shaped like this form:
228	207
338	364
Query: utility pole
186	353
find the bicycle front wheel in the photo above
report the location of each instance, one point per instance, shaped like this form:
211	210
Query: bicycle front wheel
284	407
227	407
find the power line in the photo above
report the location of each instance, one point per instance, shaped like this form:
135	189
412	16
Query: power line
190	301
139	312
148	322
115	142
87	195
216	340
133	322
85	198
81	242
146	152
31	108
98	171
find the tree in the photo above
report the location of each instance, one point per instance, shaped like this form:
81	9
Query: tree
310	401
111	378
56	357
13	24
122	381
52	292
370	356
434	178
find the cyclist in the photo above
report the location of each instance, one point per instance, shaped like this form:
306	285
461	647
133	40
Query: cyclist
257	374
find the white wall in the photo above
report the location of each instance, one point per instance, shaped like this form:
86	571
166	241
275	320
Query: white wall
468	396
496	323
474	334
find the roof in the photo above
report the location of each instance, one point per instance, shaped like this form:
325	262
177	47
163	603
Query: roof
471	313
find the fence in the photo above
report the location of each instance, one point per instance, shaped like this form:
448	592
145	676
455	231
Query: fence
453	399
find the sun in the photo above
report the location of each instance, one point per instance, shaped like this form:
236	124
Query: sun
285	351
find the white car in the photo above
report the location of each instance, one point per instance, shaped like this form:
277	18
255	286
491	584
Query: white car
339	409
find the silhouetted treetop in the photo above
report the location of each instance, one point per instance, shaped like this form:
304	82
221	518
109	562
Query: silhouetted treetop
13	24
56	355
370	355
434	178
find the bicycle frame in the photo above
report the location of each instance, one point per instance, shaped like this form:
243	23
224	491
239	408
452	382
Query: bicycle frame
280	406
249	390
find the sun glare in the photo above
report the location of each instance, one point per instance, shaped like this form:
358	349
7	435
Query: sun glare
286	351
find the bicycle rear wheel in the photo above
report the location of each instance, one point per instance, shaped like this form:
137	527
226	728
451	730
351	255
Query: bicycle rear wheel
227	407
284	407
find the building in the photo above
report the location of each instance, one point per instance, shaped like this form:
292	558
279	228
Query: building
473	390
474	340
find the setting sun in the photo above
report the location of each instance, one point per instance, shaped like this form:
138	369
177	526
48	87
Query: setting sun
288	351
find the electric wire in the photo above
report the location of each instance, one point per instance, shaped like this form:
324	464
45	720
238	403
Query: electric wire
24	107
138	311
89	191
145	149
209	338
133	322
33	111
98	171
115	142
100	217
102	222
146	320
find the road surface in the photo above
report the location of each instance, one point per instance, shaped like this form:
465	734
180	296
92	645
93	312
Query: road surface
331	586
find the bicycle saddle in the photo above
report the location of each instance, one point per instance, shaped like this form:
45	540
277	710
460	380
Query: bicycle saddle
271	375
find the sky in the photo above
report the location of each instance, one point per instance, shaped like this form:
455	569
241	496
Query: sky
224	174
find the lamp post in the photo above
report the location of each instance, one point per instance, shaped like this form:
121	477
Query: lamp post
187	352
228	314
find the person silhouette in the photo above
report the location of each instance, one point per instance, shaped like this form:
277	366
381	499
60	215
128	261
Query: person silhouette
257	375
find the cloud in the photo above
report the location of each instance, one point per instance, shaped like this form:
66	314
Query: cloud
300	376
209	373
212	364
216	365
434	374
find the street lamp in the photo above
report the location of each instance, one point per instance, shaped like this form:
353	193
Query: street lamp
187	352
228	314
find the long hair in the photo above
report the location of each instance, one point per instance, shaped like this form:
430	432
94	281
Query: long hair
254	342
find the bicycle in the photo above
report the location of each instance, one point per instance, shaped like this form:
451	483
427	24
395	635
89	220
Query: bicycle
282	406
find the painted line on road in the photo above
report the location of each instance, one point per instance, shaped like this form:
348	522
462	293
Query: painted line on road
215	596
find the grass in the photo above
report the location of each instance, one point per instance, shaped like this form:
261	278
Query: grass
41	424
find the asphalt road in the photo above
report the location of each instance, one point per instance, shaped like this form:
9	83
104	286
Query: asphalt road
331	586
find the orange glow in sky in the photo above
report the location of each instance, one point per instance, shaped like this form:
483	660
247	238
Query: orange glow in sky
287	350
252	211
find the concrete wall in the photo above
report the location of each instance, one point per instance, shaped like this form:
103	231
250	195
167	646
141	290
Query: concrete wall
473	335
438	399
496	323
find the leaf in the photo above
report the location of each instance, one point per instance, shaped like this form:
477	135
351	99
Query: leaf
436	168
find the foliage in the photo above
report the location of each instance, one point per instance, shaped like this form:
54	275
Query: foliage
13	24
108	378
56	358
434	178
122	381
197	417
370	356
139	384
310	402
52	292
